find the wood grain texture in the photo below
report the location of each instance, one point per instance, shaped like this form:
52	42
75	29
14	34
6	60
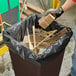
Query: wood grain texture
45	21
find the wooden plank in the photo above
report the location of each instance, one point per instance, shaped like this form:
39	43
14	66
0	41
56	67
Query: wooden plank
30	44
45	21
44	39
57	36
35	8
32	8
34	38
45	42
54	37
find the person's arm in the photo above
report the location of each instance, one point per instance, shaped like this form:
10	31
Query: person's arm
58	12
68	4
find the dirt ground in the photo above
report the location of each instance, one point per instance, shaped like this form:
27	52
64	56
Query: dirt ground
68	19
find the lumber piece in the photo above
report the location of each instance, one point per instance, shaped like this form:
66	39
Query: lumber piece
30	44
34	39
57	36
34	8
53	37
45	21
5	23
45	39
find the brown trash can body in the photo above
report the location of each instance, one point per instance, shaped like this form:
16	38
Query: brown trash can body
27	68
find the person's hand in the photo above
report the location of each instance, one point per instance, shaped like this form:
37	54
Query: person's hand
55	12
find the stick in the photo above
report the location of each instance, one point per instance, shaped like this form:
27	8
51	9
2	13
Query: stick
45	39
30	44
22	8
34	36
5	23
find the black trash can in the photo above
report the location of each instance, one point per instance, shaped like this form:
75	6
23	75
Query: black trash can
27	63
27	68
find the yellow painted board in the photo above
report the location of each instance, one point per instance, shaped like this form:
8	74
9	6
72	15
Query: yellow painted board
53	3
3	49
56	4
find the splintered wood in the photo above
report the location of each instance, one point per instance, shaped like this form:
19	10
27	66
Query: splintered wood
40	39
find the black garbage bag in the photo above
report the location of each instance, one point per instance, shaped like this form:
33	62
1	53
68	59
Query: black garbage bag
14	35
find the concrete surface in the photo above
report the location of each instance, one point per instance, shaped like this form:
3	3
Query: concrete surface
6	66
68	19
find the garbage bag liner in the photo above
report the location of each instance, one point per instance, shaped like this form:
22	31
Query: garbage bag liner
14	35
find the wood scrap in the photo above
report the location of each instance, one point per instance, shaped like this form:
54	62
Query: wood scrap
45	39
34	8
53	39
29	41
34	38
39	36
57	36
45	21
31	9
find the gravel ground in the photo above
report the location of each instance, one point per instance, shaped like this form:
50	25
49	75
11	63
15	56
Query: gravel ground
68	19
6	66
